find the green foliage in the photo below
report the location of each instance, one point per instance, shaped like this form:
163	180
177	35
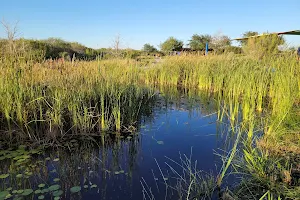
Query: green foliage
54	187
149	48
75	189
131	54
263	46
3	194
27	192
21	50
246	35
38	50
233	49
198	42
171	44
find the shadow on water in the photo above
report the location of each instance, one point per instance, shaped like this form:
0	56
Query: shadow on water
177	130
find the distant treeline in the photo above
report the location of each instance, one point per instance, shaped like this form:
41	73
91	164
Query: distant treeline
55	48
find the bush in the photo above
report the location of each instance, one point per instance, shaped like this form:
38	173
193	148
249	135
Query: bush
263	46
233	49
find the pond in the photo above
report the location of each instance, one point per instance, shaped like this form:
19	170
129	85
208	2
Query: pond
152	162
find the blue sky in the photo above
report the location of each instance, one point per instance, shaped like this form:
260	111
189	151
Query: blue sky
95	23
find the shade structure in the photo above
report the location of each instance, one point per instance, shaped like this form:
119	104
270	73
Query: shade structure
294	32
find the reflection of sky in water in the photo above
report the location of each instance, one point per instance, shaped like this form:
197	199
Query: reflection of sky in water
118	168
179	130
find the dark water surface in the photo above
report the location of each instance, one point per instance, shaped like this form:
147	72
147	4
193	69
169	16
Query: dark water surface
133	167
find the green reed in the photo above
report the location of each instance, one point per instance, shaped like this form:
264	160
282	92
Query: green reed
54	101
92	97
268	85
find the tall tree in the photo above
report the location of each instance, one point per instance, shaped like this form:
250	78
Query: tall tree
198	42
11	32
149	48
171	44
116	43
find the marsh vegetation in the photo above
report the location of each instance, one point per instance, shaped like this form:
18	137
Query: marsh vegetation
67	125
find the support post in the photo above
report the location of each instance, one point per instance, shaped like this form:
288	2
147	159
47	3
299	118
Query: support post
206	48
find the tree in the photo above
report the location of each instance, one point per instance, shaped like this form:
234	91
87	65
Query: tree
246	35
149	48
171	44
198	42
116	43
11	32
220	41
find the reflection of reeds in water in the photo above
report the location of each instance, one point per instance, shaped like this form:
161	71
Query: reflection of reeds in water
87	166
270	84
184	181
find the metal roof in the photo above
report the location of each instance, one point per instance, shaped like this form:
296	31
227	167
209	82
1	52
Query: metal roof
294	32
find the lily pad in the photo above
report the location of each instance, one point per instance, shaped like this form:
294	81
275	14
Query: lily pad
14	191
3	176
117	173
75	189
56	159
56	180
94	186
85	186
9	189
20	191
41	185
46	190
8	196
3	194
28	173
27	192
41	197
54	187
58	193
19	175
38	192
160	142
56	198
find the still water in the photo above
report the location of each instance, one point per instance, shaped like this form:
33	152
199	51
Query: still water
138	165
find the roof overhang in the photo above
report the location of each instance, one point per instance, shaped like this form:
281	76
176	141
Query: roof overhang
294	32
